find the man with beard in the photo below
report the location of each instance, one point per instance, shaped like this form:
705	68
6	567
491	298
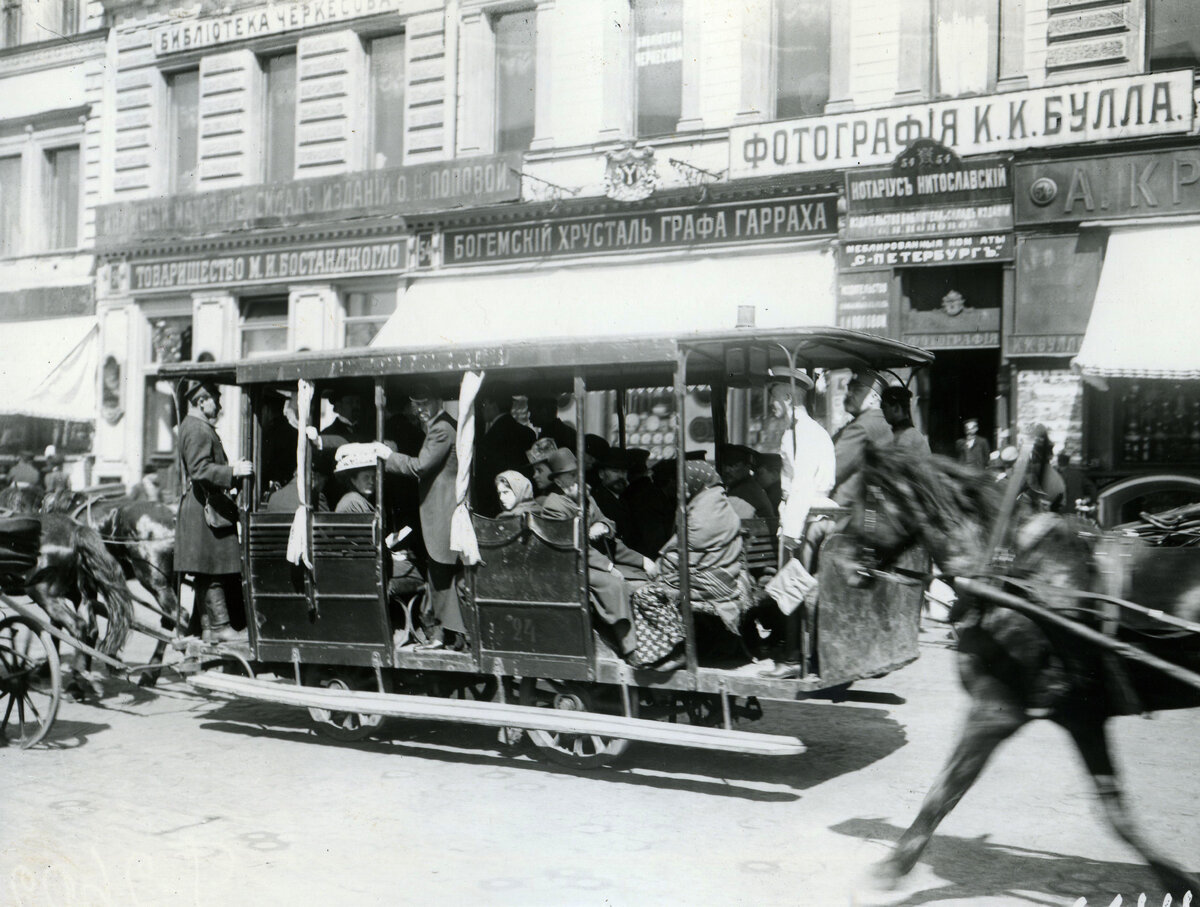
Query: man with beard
612	478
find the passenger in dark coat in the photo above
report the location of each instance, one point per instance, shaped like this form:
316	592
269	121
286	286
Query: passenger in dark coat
768	473
543	414
435	468
612	479
897	410
211	556
736	463
606	579
503	443
863	397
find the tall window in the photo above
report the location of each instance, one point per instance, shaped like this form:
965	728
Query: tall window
279	129
387	101
170	341
264	326
658	64
10	205
68	16
366	314
516	56
10	22
1174	34
183	128
967	46
62	198
802	41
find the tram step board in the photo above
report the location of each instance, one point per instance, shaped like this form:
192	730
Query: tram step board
499	714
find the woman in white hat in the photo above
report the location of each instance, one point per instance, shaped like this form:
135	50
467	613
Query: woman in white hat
355	468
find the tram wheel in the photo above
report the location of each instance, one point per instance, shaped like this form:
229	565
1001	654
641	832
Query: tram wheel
586	751
30	682
344	727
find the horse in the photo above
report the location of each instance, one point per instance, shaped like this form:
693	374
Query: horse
74	573
1016	668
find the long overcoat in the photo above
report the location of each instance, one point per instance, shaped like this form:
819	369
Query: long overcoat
198	547
435	467
849	445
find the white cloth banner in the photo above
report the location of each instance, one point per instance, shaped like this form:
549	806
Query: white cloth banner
298	543
462	530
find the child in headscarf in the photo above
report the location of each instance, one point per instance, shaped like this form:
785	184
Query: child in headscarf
515	493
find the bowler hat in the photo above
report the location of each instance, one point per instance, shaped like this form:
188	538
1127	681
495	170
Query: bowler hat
562	461
614	458
192	388
638	458
737	453
595	446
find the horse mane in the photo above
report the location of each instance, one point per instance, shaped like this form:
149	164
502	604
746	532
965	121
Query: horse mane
944	492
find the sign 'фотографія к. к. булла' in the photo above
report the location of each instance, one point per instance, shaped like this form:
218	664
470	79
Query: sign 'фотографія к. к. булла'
1158	103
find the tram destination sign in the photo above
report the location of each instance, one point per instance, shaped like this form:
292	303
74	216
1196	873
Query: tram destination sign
398	191
764	220
1103	110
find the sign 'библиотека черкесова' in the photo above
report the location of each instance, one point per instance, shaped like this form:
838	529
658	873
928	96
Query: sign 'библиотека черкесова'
1126	107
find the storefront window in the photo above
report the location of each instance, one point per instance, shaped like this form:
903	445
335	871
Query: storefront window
1174	27
658	65
279	133
387	101
1158	423
62	169
170	341
366	314
802	39
264	327
10	205
183	101
516	55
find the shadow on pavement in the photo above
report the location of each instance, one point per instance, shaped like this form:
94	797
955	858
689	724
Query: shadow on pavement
840	739
976	868
66	734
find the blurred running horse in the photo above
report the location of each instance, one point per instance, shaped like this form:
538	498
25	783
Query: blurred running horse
1014	667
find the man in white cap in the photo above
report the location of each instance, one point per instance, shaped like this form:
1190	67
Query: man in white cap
808	472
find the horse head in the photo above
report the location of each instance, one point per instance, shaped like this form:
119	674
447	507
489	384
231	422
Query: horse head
909	498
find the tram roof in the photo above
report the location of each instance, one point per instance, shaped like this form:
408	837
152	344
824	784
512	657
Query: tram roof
606	359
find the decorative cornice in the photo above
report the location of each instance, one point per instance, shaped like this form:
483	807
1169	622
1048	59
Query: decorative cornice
49	54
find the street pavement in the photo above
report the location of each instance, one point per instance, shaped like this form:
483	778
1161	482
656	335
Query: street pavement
172	797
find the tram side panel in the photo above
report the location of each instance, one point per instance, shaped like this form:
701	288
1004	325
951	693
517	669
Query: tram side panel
336	617
865	631
526	594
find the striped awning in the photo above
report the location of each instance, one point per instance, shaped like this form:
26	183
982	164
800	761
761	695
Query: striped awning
1146	318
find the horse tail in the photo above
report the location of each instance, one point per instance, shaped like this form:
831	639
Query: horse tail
99	574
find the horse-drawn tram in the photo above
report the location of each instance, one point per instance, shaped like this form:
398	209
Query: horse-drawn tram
332	611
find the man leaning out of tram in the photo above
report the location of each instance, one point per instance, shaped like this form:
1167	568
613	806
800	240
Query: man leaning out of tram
610	563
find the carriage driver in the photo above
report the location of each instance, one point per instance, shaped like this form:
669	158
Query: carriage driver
207	546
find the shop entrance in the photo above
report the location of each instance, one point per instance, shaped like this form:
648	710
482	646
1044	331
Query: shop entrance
961	384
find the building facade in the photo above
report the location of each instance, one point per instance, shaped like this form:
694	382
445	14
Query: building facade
51	105
327	173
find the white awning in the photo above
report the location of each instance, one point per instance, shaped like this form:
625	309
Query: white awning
48	368
1145	322
787	289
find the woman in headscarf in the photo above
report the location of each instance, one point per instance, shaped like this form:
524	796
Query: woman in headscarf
515	493
720	584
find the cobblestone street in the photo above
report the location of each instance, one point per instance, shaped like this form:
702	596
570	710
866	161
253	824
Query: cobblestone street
169	797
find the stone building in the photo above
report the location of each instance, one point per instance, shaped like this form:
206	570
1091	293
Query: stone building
51	106
326	173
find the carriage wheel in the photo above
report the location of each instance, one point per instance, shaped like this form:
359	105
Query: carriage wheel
344	727
574	750
30	682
